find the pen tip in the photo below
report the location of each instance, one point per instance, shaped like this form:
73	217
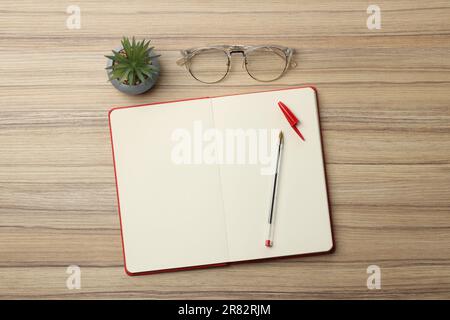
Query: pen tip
268	243
280	135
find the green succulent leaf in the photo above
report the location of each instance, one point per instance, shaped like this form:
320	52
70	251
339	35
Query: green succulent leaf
134	63
130	78
124	76
140	75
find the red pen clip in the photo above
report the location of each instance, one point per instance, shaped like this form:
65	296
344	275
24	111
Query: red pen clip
291	118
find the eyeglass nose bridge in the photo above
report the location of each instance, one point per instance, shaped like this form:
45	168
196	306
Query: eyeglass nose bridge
236	48
240	50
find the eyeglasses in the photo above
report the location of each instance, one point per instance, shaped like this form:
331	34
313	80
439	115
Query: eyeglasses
262	63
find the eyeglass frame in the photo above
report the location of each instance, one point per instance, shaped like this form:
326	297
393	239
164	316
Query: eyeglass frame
188	54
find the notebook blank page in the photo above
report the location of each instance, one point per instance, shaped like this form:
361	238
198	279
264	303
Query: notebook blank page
302	222
172	215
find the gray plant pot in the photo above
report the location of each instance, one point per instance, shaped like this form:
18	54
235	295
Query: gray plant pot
137	89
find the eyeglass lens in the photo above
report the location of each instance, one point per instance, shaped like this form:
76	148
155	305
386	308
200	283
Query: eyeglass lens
209	66
265	64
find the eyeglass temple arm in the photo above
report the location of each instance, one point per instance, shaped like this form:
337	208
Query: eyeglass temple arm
184	59
290	62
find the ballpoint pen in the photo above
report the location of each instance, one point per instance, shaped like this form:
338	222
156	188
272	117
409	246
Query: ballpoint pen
270	222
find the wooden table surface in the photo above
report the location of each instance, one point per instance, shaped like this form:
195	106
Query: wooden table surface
385	111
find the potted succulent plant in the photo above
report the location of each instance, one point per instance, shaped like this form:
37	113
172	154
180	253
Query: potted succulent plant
133	68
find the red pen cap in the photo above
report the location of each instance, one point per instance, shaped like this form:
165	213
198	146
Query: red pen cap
292	119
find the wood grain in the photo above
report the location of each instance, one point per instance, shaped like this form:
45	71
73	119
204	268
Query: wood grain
385	112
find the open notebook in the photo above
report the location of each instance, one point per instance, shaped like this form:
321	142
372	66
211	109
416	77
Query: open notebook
190	215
